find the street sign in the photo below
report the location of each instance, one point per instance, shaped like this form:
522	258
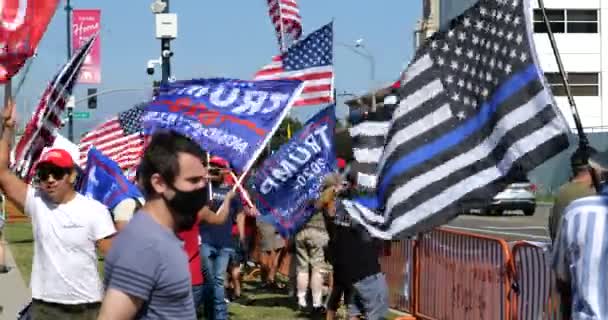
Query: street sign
81	115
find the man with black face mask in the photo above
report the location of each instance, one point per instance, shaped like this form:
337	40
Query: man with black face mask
146	272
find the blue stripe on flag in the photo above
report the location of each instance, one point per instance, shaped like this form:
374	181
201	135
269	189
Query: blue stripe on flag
456	136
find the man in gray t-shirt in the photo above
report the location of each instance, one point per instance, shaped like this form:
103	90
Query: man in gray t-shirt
147	267
147	274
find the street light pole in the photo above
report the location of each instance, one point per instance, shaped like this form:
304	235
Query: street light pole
166	58
372	64
68	14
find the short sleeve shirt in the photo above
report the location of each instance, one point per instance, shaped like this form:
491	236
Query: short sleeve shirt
148	261
64	266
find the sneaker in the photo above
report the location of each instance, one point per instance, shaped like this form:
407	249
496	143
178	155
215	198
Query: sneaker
4	269
319	310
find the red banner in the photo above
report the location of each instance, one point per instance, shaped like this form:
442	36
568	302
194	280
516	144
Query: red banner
22	24
85	24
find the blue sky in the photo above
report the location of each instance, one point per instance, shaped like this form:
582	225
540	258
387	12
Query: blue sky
223	38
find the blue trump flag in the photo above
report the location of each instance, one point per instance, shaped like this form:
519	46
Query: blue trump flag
233	119
291	178
103	181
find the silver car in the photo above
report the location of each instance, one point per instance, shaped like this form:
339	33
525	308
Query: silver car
517	196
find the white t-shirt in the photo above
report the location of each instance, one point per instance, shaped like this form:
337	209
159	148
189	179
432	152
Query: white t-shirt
125	209
64	268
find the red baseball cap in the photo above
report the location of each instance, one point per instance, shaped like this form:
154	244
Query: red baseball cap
341	163
220	162
58	157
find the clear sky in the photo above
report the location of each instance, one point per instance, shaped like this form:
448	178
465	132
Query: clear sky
223	38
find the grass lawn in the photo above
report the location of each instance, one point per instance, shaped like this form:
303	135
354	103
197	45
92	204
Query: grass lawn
261	304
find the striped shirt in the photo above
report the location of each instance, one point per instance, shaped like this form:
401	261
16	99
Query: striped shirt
147	261
580	256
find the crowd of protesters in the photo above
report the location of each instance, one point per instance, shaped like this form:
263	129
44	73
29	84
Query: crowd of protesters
179	252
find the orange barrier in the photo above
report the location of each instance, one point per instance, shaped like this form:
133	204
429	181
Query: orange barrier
461	276
398	265
536	296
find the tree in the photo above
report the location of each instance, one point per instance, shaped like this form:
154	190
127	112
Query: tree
280	137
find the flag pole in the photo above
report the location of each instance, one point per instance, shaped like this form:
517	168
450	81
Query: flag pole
582	137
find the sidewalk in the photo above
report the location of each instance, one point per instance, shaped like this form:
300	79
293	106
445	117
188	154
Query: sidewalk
14	293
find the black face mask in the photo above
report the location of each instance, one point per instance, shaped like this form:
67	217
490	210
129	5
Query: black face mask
185	206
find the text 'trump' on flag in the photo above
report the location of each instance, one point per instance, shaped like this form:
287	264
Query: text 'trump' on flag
474	113
309	60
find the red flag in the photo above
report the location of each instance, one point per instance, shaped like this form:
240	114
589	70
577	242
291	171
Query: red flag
22	25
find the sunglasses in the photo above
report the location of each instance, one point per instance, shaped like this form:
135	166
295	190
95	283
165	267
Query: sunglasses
58	173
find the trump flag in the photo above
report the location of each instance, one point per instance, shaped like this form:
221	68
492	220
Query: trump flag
232	119
291	178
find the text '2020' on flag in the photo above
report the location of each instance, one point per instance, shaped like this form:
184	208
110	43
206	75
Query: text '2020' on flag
474	113
121	139
232	119
104	181
42	128
290	180
309	60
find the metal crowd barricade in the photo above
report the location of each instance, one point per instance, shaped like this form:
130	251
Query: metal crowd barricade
536	296
461	276
398	266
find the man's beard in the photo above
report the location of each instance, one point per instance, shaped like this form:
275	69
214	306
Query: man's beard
184	222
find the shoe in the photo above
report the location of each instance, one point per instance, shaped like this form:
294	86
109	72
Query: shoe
4	269
319	310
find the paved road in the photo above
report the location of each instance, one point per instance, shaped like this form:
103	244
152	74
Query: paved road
511	226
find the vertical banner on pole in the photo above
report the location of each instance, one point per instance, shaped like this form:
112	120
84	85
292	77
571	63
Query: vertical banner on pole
86	23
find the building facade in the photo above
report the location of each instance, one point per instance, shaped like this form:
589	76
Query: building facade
582	41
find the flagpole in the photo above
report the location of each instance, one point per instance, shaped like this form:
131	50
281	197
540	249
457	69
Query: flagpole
582	137
282	41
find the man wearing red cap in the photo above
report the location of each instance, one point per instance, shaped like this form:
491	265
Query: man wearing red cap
67	228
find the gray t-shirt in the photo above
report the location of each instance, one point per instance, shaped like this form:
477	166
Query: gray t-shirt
148	261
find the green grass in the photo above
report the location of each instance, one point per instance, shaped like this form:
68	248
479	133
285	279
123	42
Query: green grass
19	238
261	303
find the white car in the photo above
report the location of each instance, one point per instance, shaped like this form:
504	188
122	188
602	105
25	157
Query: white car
517	196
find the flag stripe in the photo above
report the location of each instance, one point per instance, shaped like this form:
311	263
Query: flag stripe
368	155
370	128
431	120
418	98
456	136
418	67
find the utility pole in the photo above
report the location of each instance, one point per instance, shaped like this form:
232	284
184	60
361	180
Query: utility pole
70	109
166	52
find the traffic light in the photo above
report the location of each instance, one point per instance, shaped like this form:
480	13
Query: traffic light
92	101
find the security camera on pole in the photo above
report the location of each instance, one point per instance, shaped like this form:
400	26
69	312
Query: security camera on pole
166	30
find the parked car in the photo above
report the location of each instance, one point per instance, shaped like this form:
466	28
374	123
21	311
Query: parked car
517	196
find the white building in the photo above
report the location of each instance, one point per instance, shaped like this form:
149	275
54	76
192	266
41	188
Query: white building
583	44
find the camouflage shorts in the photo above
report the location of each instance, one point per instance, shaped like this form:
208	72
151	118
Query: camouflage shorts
309	249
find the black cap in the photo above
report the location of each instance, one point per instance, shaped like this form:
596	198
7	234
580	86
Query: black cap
579	159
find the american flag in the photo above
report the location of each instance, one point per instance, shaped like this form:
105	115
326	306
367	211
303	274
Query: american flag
473	111
309	60
285	16
41	130
120	139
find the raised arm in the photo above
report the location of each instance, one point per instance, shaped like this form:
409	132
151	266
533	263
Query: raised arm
14	188
207	215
